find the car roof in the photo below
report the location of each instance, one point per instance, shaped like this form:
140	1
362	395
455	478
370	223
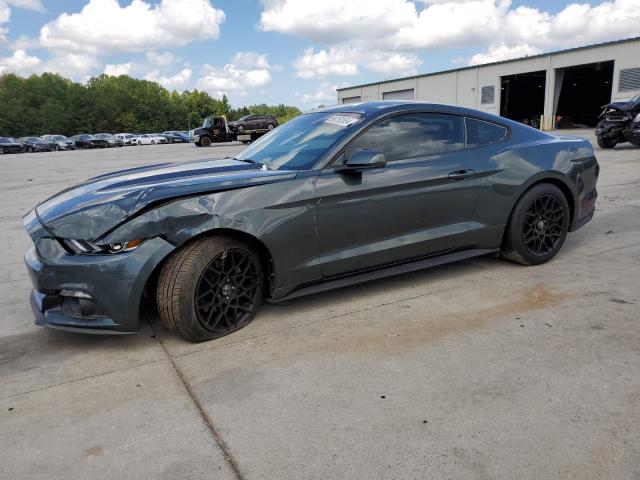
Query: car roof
381	107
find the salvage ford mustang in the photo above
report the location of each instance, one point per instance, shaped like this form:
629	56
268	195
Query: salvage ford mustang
334	197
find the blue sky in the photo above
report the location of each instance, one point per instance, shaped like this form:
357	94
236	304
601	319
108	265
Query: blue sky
291	51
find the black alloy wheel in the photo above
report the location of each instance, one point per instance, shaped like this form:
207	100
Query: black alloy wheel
544	225
226	292
210	288
538	225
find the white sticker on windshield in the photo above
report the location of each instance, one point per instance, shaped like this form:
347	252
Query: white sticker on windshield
341	120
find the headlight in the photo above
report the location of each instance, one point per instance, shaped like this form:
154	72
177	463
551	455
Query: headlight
84	247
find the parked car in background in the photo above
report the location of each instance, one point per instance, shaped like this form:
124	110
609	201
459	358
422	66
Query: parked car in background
36	144
174	137
184	135
150	139
619	123
254	122
10	145
129	139
112	140
61	142
84	140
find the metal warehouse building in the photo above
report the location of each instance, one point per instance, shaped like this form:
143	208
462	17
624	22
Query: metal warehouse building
559	89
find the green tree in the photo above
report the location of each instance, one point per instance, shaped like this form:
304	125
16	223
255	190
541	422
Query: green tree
49	103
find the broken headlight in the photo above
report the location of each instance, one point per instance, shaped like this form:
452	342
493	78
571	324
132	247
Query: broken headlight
84	247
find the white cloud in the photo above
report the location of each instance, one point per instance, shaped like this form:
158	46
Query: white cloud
103	26
162	59
344	60
171	82
5	7
28	4
71	64
497	53
118	69
5	13
251	60
334	21
324	94
335	61
405	27
20	63
231	78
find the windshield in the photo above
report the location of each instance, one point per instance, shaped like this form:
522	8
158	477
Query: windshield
5	140
207	122
300	142
636	98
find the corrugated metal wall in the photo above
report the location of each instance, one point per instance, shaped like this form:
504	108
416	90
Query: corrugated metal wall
464	86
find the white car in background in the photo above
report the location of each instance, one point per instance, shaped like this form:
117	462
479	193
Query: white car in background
149	139
129	139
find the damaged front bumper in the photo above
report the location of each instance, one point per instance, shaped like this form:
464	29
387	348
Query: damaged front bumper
91	293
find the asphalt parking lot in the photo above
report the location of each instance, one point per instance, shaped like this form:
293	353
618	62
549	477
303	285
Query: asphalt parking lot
478	370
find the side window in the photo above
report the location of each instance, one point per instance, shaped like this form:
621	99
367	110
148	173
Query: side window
483	133
413	135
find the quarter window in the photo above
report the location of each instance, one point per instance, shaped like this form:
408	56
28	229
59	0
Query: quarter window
483	133
413	135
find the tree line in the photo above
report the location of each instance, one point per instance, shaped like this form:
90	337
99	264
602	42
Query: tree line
50	103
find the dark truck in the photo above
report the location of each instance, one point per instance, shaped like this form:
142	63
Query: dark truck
216	129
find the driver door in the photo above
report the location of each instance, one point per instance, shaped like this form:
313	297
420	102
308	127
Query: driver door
419	204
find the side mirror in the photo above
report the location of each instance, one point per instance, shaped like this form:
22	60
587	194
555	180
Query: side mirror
363	159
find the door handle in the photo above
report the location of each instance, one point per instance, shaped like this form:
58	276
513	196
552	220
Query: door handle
462	174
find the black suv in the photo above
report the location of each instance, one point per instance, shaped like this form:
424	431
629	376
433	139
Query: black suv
254	122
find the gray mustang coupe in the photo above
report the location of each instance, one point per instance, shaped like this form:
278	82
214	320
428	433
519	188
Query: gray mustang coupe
331	198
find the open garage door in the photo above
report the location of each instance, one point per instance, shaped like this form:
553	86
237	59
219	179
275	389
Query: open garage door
522	97
581	91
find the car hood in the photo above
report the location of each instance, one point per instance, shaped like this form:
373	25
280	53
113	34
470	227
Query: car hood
623	105
89	210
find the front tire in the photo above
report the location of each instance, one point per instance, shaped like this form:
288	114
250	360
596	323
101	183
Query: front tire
538	226
210	288
604	143
205	141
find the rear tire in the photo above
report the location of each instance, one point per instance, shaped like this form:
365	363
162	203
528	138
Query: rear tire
538	226
210	288
604	143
